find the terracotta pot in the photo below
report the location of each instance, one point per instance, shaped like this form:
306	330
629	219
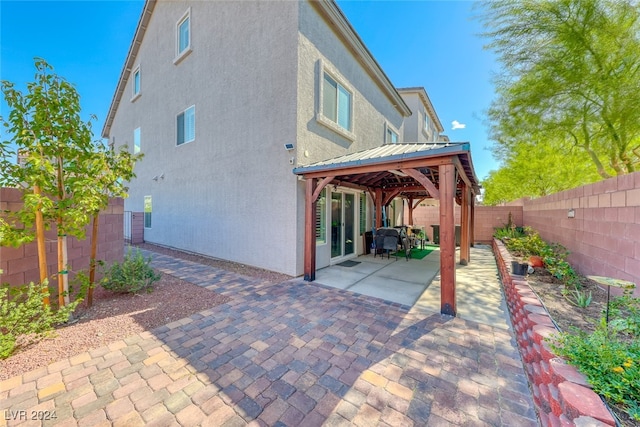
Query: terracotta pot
536	261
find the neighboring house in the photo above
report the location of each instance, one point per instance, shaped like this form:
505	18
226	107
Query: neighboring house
224	99
423	125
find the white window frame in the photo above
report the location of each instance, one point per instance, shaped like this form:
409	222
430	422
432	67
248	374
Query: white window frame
390	129
184	121
181	54
426	128
147	211
136	94
137	143
325	68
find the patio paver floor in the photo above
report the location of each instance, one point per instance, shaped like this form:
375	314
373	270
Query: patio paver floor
290	354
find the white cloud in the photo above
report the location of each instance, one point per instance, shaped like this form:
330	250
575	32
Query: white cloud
457	125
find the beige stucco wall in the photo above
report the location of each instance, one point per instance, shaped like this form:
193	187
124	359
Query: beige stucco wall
252	76
414	130
320	48
228	193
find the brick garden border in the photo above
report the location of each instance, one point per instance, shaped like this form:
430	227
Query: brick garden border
561	394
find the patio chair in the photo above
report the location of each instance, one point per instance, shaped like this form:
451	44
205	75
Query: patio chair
406	245
390	244
379	244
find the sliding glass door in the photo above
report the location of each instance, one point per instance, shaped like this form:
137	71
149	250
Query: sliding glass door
342	224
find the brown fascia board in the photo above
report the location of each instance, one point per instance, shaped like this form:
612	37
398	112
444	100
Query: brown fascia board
330	11
143	22
422	93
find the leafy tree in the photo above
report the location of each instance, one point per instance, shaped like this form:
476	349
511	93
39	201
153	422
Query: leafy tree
65	176
535	170
111	170
571	78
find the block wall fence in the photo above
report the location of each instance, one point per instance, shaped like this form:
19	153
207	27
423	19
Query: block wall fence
20	265
603	236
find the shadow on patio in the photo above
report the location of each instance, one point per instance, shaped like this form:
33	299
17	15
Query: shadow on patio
299	353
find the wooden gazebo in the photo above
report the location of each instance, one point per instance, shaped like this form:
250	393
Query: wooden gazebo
413	171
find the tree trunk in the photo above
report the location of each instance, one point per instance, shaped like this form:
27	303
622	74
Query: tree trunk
63	277
61	266
42	250
92	262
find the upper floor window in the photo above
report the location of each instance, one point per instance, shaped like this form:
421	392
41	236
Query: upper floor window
390	134
336	102
186	125
136	141
426	121
183	36
135	83
392	137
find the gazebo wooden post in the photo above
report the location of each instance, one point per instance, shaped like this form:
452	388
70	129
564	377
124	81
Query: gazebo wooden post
309	235
473	219
465	220
447	240
410	204
378	208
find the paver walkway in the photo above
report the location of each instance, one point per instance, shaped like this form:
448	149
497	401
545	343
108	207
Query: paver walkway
293	354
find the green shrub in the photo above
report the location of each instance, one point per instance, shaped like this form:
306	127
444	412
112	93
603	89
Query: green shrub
625	312
582	298
134	275
528	244
22	313
611	364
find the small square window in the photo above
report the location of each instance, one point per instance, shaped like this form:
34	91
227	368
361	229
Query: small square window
186	126
136	141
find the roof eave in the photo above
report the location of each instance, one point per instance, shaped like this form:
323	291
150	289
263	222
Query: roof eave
145	17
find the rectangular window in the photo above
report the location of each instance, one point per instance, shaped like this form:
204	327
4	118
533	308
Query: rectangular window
136	82
321	217
186	125
136	141
184	39
392	136
147	211
336	102
363	213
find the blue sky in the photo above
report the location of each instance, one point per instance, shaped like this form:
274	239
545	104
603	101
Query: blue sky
434	44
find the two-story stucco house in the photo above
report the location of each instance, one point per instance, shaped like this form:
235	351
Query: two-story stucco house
226	98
